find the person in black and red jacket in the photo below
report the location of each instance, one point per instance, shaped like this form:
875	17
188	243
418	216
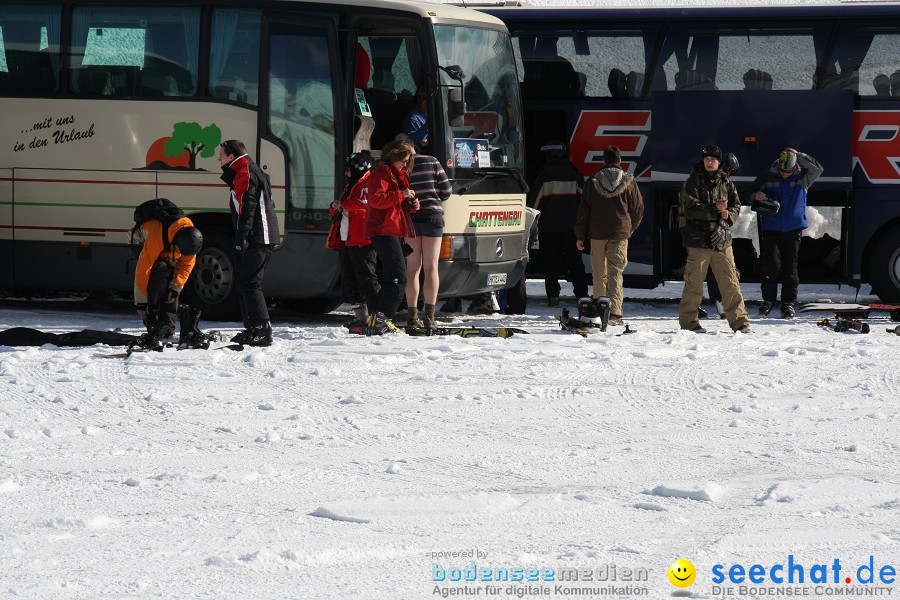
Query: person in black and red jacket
256	232
359	281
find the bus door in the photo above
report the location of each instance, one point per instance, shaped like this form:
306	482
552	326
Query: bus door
755	125
300	123
388	85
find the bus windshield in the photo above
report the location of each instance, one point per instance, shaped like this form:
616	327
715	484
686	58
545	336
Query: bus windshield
478	66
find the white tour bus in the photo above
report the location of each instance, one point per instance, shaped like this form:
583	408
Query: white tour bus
105	106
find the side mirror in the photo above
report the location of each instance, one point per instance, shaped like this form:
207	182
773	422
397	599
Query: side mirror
456	106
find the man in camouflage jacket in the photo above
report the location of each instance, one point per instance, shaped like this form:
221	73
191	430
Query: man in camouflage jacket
710	205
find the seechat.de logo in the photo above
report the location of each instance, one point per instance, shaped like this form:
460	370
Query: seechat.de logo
682	573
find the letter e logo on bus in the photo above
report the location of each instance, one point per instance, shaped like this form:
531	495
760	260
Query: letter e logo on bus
597	129
877	147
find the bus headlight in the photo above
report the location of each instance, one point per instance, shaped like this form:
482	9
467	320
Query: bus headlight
454	247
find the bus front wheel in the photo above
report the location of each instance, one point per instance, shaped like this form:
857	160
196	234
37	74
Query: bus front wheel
885	270
211	287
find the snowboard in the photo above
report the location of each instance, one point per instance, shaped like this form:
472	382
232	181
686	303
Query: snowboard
851	310
503	332
841	325
139	350
467	332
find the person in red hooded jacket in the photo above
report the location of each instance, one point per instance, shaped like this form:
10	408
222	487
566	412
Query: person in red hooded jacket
356	255
387	223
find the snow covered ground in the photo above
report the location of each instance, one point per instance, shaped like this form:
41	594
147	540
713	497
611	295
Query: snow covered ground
334	466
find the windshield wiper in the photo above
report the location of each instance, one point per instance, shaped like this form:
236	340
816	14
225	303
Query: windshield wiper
475	183
488	171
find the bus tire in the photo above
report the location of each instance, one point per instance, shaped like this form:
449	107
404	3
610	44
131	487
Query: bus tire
212	286
884	274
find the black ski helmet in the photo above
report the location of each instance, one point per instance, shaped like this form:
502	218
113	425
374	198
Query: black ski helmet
189	240
766	207
358	163
730	164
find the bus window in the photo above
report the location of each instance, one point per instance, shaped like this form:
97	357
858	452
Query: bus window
29	49
487	75
871	51
396	64
301	115
119	51
738	58
234	55
603	63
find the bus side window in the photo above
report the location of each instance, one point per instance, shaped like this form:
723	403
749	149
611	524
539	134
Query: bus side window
634	84
550	77
754	79
866	55
29	49
94	81
234	55
616	83
691	79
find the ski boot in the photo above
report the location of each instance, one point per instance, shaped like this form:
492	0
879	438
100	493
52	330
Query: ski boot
190	336
360	315
379	325
594	312
259	335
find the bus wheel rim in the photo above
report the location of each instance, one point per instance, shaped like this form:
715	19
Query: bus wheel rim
214	276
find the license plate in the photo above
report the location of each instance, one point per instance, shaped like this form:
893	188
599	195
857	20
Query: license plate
496	279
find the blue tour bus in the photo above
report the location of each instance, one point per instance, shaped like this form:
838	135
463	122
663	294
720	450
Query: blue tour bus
660	83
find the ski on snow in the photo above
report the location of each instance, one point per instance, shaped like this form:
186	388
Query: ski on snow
466	332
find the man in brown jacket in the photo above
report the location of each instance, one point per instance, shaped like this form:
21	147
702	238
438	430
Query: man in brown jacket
610	211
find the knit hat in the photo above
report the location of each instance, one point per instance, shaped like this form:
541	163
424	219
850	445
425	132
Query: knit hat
713	151
788	160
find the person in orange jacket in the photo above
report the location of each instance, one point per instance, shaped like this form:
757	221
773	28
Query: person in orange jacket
163	267
388	223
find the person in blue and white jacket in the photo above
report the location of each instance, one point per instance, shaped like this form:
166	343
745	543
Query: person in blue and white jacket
787	181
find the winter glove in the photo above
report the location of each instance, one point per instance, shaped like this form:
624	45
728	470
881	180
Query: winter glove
240	246
718	235
172	297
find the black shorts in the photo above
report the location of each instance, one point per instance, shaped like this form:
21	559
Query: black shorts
430	226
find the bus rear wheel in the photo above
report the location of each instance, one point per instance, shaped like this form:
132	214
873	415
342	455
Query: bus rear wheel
885	260
212	286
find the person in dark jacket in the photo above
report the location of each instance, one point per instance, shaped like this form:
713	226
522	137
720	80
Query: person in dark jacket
611	210
787	181
387	223
556	192
256	232
710	205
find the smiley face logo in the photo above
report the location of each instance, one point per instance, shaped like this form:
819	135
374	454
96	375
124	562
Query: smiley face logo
682	573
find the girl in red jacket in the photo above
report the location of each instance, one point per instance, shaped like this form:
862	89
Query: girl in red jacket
357	256
387	223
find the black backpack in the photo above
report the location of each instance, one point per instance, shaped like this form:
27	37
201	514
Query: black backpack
163	210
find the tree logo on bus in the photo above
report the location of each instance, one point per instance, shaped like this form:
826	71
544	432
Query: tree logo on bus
877	148
179	151
596	129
